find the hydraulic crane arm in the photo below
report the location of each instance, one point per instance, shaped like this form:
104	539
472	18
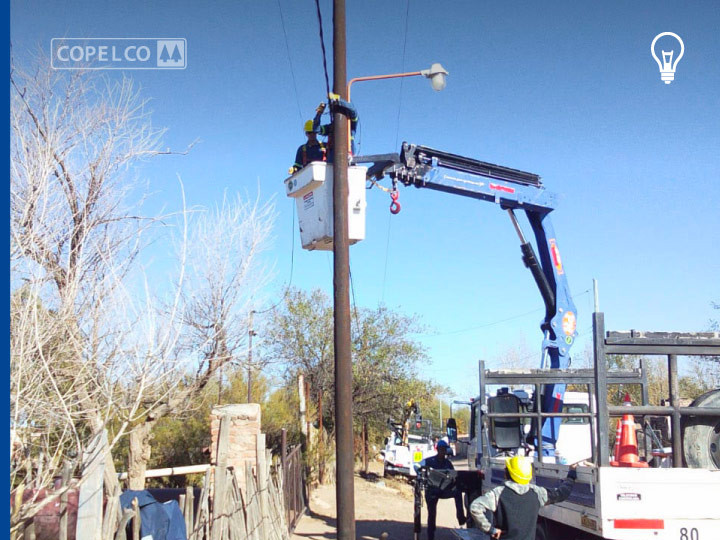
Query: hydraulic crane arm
513	190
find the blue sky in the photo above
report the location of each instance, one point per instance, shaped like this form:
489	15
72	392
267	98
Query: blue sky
567	90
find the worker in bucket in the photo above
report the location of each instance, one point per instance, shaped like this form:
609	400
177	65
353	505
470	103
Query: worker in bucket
434	494
313	149
516	503
337	104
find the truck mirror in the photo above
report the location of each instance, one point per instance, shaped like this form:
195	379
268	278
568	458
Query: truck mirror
451	429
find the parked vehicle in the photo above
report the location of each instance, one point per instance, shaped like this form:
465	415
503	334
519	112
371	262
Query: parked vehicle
648	501
408	443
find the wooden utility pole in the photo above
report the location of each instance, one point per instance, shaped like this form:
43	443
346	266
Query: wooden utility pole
344	491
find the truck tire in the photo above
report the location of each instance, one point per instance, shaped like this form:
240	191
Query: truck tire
701	435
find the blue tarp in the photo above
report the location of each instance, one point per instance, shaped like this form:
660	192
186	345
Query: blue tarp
157	521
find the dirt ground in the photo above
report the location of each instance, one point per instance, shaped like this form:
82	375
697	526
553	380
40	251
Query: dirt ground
381	505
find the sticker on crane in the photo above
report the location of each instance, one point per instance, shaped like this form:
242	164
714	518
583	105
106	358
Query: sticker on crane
500	187
555	253
569	323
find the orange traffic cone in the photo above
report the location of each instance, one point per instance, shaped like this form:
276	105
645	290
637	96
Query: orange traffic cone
626	451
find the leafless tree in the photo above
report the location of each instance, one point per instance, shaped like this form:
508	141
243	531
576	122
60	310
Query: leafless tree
94	342
224	275
74	138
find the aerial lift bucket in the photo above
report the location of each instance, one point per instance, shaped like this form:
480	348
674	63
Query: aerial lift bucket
312	189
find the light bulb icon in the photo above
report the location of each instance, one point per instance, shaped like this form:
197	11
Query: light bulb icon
666	65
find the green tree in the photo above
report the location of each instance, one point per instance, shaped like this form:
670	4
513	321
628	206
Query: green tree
385	358
184	438
690	385
385	361
279	412
299	337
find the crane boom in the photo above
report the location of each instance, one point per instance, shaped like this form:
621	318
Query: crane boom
513	190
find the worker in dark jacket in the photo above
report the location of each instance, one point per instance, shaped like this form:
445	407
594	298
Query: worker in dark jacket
312	150
516	503
434	494
326	130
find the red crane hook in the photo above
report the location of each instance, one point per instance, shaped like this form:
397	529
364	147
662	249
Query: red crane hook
394	205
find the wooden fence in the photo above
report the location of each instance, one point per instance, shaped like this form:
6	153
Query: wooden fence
267	507
227	512
257	513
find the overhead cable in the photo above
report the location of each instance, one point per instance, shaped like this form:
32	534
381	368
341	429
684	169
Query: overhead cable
322	45
292	72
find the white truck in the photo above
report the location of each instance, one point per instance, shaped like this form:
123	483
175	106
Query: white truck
399	458
409	442
609	502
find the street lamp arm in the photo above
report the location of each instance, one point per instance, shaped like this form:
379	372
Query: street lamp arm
377	77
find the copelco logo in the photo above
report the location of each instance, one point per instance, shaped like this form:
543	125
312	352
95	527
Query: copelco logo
119	53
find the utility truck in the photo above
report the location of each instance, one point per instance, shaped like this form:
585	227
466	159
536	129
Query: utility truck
612	502
400	455
409	442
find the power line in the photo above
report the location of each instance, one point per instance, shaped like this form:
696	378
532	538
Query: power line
397	136
292	72
495	323
352	290
322	45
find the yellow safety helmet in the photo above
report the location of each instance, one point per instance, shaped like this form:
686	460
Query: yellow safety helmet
308	126
520	469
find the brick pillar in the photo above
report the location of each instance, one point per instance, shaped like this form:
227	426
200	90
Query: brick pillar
242	441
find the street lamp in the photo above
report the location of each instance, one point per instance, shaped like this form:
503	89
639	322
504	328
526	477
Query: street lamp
437	75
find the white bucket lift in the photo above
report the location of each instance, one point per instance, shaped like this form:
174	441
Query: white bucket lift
312	189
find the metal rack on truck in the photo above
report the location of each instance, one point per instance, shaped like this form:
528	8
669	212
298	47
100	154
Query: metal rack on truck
622	503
